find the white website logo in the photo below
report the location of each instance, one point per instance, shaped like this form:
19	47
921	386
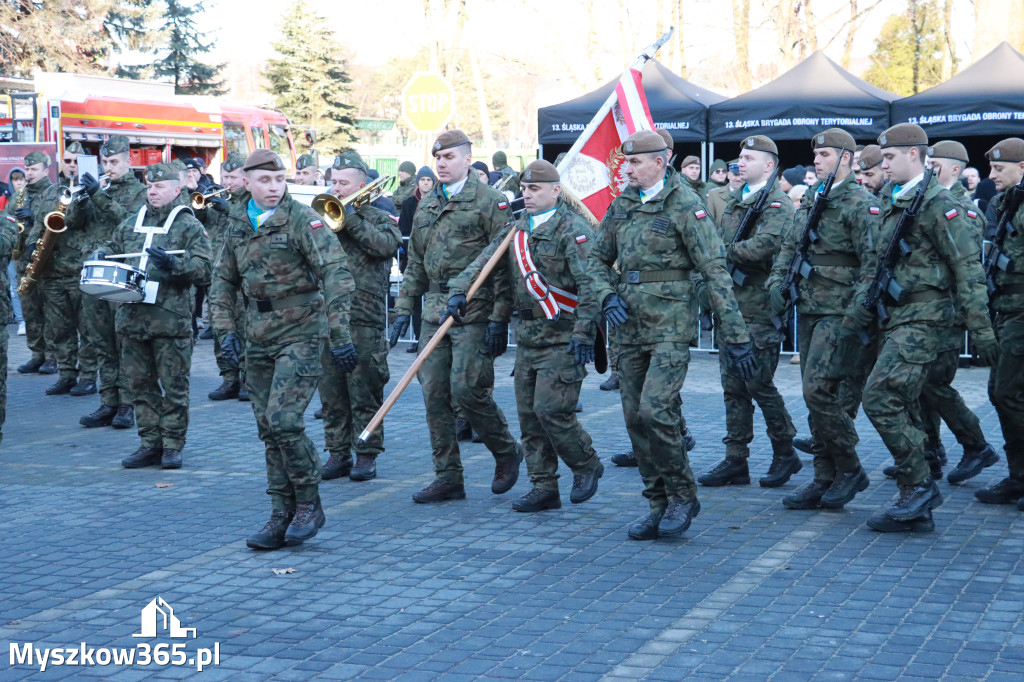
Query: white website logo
151	620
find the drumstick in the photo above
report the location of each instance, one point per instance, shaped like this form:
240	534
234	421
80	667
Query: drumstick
176	252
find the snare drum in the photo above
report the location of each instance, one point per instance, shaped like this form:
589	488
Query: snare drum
113	281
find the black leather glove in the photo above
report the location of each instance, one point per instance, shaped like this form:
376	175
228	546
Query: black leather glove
615	310
90	185
496	338
98	255
161	258
25	213
457	305
219	204
584	352
399	327
345	357
741	358
232	349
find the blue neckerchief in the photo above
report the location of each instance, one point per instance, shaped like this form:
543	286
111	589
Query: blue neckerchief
257	216
546	215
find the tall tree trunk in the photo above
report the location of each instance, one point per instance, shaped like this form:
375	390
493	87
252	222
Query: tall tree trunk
851	33
677	40
810	28
947	35
917	22
787	32
481	99
741	39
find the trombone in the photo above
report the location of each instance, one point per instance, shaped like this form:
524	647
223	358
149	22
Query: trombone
200	200
332	209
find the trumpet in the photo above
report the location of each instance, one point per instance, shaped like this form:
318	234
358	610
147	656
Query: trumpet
199	200
332	209
70	192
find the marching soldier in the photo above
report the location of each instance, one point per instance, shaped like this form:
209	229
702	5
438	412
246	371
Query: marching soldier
555	337
280	257
510	179
156	334
752	259
658	231
305	170
843	261
690	170
872	177
370	238
718	197
452	225
99	217
1006	382
406	183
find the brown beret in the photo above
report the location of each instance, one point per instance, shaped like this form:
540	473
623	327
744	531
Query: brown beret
689	161
75	148
948	149
870	157
667	136
760	143
903	135
834	137
539	171
643	142
159	172
1011	149
263	159
449	139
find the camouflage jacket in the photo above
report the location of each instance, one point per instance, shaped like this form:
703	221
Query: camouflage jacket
8	240
217	223
40	197
559	249
671	232
65	260
404	191
292	254
171	313
756	254
1013	247
447	235
371	239
100	215
977	222
510	181
848	231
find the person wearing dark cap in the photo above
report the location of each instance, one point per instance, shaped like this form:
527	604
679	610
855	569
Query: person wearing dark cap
406	183
717	198
940	274
555	336
156	333
718	176
480	168
655	233
452	225
68	175
350	399
511	179
305	170
870	164
193	173
293	277
425	180
791	177
753	258
1006	381
843	259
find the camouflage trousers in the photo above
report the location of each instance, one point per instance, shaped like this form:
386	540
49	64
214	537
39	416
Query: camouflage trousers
741	395
4	340
461	370
351	399
548	382
97	325
159	362
1006	387
939	400
282	379
62	307
650	378
32	311
227	370
893	393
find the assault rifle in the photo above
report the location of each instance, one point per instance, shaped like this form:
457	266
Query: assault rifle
996	259
753	214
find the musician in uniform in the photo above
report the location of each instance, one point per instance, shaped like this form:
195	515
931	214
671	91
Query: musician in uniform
555	336
68	175
657	231
452	225
305	170
350	399
280	257
8	240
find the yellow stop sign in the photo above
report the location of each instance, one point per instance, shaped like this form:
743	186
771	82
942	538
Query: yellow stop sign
428	102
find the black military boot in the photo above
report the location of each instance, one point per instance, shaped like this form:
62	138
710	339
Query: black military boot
228	390
730	471
507	473
463	430
365	468
844	488
48	367
781	470
808	497
440	491
1006	491
171	459
143	457
584	486
104	416
934	464
689	442
625	459
804	445
62	387
308	520
83	387
940	452
883	524
31	367
125	418
337	466
611	384
646	528
971	464
243	392
537	500
272	535
206	334
677	517
915	500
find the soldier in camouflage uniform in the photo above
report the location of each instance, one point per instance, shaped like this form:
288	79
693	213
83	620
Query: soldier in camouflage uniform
872	177
689	171
156	336
657	231
752	257
305	170
1006	382
843	261
510	179
104	211
280	256
452	225
370	238
68	175
553	347
406	183
941	273
8	240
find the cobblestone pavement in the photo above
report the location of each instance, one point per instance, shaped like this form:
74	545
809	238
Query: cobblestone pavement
471	589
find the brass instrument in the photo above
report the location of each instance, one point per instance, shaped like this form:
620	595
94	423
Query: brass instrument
54	223
199	200
73	191
20	245
332	209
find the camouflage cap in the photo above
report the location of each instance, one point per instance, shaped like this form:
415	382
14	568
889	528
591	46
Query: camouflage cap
643	142
949	149
407	167
1011	150
903	135
350	159
449	139
74	148
834	137
760	143
498	159
667	136
178	166
234	161
263	159
159	172
689	161
539	171
304	161
115	144
32	158
870	157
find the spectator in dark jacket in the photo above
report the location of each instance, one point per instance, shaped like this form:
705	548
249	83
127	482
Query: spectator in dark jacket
425	180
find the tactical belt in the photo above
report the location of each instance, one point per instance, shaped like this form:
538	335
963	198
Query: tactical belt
838	260
438	288
1010	290
646	276
266	305
925	296
756	280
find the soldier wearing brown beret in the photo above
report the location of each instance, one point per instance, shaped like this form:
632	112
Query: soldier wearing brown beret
870	164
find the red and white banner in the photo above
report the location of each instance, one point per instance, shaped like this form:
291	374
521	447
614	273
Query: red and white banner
550	299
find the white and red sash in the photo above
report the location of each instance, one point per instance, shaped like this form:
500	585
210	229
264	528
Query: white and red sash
550	299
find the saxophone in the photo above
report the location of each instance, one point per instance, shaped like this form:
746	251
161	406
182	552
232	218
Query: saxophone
54	223
20	245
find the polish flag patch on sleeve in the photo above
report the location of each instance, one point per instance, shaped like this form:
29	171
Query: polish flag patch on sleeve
775	204
700	214
315	224
874	210
581	238
952	213
502	205
11	218
971	214
394	218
